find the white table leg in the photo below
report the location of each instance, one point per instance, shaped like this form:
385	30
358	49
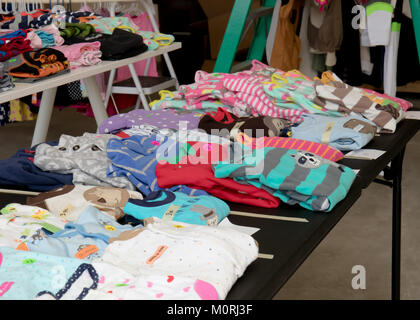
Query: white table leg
95	99
139	87
44	116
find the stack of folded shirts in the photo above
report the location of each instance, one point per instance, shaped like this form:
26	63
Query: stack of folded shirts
38	64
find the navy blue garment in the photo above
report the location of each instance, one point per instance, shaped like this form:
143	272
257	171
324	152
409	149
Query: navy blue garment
19	171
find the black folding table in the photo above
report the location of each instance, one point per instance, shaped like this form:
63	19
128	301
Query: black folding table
286	244
291	243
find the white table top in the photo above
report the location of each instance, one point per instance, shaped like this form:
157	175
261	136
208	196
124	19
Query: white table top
24	89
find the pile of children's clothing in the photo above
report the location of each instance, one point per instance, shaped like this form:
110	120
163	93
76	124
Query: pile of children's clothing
42	44
138	210
38	46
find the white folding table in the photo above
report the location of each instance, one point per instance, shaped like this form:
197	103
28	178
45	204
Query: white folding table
88	75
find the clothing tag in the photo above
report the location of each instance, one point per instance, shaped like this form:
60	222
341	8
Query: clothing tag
414	115
22	246
87	251
159	251
364	154
170	213
326	135
65	212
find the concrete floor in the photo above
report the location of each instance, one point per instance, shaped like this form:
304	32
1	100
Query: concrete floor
362	237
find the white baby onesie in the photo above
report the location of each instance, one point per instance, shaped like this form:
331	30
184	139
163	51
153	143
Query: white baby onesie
19	222
175	260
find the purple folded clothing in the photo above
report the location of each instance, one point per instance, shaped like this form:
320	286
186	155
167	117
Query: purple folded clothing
161	119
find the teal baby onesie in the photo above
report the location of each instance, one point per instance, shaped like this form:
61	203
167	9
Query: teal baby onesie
295	176
25	274
177	206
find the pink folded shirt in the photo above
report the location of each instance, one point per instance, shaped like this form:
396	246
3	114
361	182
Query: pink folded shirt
82	54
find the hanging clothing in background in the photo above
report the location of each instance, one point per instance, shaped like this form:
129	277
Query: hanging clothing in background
408	64
358	65
325	30
348	66
286	37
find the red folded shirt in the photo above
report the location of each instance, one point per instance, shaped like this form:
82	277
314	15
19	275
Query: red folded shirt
196	172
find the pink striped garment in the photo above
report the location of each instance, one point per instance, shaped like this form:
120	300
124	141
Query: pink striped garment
249	90
323	150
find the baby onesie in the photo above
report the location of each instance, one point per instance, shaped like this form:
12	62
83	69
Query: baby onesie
86	238
165	250
20	222
295	176
343	133
84	156
26	275
177	206
69	201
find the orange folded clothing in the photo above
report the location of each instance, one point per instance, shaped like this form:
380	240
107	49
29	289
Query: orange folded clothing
37	64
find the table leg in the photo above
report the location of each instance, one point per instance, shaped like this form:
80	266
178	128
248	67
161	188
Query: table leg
396	168
44	116
95	99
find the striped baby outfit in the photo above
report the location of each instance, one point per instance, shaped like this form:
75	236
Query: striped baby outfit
339	96
295	176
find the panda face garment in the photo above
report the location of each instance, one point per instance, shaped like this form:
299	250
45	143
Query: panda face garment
295	176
